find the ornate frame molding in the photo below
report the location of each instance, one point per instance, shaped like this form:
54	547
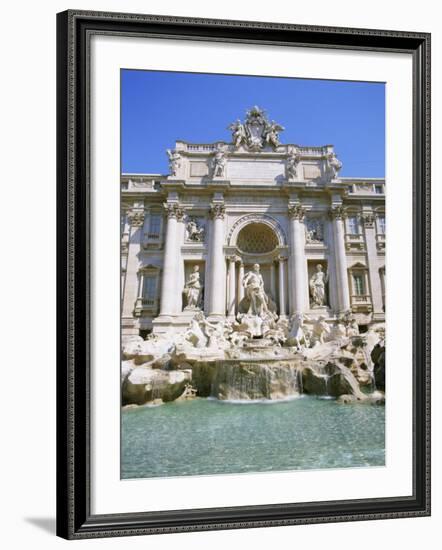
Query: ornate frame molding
74	32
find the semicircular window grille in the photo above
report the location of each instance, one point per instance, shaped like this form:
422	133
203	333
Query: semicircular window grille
257	238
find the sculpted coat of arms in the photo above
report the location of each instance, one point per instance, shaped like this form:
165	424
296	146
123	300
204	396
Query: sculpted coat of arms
256	132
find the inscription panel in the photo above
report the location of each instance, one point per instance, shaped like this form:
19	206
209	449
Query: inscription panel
255	170
311	172
198	169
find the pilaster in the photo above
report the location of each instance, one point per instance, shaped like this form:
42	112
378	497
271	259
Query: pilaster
135	219
369	223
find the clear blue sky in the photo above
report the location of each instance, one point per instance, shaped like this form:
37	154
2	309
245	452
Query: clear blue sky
159	108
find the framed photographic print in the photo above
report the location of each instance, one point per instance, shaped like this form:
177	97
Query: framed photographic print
243	274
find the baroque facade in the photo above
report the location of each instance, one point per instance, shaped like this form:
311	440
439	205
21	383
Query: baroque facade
191	240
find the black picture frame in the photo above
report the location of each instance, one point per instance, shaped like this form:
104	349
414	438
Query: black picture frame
74	518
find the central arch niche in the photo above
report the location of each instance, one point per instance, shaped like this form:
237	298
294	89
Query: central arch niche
255	220
257	238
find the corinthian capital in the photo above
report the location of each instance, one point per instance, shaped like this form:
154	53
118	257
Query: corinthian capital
174	210
296	212
136	217
217	211
368	218
338	212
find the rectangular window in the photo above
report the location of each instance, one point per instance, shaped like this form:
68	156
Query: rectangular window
381	224
150	288
358	282
353	225
379	190
154	225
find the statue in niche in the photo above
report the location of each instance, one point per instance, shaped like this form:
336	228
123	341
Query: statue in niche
193	289
238	133
219	163
317	287
253	284
334	164
195	232
314	231
292	164
174	161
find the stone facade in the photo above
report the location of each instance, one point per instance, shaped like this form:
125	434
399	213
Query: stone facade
190	237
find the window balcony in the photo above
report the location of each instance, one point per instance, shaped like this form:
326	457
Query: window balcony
361	303
152	240
354	241
146	307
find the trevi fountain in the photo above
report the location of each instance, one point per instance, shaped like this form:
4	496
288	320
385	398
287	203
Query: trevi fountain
325	384
253	318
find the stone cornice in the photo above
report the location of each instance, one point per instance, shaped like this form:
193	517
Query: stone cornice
368	219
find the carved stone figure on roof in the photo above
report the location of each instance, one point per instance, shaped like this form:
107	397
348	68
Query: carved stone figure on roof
219	163
292	164
174	161
334	164
271	134
238	133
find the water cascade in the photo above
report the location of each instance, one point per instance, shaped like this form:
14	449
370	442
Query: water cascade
254	380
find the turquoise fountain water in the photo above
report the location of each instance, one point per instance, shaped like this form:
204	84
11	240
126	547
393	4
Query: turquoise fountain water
207	436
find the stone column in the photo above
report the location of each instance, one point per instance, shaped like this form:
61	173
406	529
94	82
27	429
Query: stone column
375	286
240	278
297	268
217	284
135	219
175	213
281	270
337	214
232	288
273	281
